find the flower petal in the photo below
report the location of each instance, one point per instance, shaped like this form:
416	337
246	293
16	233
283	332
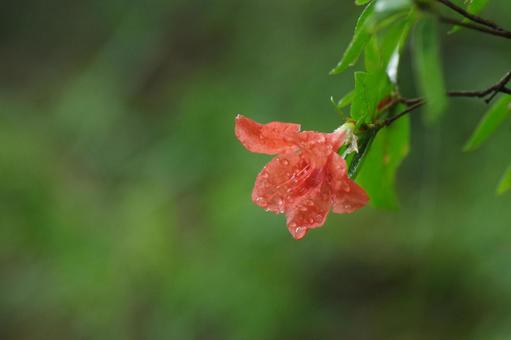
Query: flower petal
298	233
271	138
310	210
352	198
348	196
281	181
317	146
336	171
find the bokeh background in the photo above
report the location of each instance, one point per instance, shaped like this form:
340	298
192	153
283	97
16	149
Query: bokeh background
125	208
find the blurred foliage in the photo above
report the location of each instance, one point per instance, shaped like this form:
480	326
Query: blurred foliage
125	207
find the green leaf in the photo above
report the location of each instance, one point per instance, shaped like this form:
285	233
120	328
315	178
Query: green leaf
358	42
361	2
383	6
505	182
493	118
370	88
355	160
387	151
383	50
473	7
346	100
428	68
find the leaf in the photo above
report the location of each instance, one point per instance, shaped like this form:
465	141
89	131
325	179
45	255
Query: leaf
493	118
358	42
355	160
383	50
370	88
361	2
346	100
428	68
505	182
387	151
473	7
383	6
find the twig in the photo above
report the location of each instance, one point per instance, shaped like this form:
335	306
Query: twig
415	103
499	86
492	31
390	120
470	16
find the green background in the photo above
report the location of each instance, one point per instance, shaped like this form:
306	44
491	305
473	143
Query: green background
125	208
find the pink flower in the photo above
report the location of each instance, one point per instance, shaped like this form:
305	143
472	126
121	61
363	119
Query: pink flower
306	179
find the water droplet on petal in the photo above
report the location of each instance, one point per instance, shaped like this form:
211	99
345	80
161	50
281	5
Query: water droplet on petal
298	233
292	225
347	206
261	201
284	161
303	208
311	220
346	187
264	175
309	203
319	218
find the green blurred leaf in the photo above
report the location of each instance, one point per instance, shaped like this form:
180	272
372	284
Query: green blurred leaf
387	151
428	68
372	55
370	88
346	100
505	182
358	42
473	7
383	6
493	118
361	2
383	50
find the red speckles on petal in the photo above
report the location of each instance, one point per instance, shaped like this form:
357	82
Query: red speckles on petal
270	139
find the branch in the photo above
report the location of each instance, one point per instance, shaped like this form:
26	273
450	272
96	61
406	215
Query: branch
415	103
391	120
470	16
492	31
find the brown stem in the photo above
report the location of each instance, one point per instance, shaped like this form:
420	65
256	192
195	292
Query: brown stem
492	31
415	103
411	108
470	16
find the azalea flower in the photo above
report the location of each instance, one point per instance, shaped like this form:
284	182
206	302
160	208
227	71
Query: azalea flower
307	178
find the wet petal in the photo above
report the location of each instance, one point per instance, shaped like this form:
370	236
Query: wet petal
350	198
317	146
282	180
337	138
298	232
271	138
310	210
336	171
